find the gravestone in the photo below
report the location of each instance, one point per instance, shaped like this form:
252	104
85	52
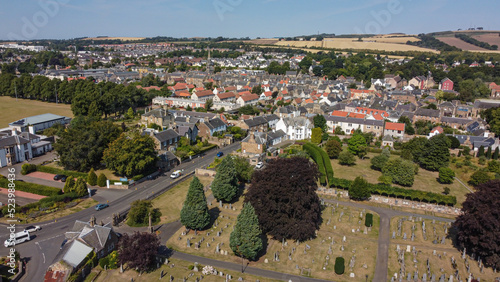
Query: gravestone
188	243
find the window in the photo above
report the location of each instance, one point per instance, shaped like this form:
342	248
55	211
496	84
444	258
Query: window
7	150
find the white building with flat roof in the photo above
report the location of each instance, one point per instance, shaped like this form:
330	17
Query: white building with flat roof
38	123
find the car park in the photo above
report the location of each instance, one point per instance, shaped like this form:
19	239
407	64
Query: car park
220	154
32	228
175	174
101	206
259	165
59	176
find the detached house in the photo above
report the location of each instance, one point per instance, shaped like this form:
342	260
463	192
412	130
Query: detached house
159	116
247	99
446	84
166	140
395	130
296	128
83	239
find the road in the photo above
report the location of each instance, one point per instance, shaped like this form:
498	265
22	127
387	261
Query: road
45	245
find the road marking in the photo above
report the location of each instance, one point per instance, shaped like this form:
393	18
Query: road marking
50	238
43	257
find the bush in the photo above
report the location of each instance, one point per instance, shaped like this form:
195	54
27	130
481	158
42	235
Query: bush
28	168
479	177
104	262
101	180
446	175
369	220
346	158
31	187
92	178
339	265
318	159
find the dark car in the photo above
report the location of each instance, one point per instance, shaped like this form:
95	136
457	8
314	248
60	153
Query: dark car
63	243
101	206
220	154
63	178
59	176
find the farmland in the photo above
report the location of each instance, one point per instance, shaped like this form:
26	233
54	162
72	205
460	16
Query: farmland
392	44
116	38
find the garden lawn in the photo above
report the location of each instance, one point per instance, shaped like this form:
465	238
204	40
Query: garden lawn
425	180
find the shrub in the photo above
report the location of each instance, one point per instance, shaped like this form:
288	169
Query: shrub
101	180
316	156
104	262
339	265
346	158
369	220
446	175
92	178
479	177
28	168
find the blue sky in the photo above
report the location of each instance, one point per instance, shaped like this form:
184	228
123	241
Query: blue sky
61	19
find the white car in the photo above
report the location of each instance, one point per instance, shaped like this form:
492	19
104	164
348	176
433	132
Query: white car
175	174
32	228
259	165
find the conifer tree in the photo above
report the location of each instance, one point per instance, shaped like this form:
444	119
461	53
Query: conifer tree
359	189
495	154
81	187
225	184
69	185
194	213
246	238
101	180
92	177
488	153
480	151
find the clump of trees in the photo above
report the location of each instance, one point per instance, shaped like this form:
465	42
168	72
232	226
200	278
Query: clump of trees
430	154
139	213
275	192
477	226
359	189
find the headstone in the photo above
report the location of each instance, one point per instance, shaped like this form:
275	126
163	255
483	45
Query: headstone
443	241
408	248
220	204
394	235
188	243
343	239
351	275
266	261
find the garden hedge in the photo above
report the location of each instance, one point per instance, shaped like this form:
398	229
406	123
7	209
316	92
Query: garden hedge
391	191
31	187
318	159
53	170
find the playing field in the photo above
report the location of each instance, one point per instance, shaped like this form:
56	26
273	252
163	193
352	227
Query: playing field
12	109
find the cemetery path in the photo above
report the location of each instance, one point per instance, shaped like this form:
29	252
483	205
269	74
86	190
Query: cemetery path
381	269
248	270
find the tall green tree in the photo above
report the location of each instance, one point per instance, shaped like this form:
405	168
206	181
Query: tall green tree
225	184
496	153
244	169
69	185
194	212
101	180
437	153
80	187
480	151
320	121
246	239
131	156
488	153
359	189
357	145
378	162
92	177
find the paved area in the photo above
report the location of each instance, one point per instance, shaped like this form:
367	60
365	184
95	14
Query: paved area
22	194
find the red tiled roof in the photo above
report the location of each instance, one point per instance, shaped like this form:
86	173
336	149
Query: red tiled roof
356	115
268	93
226	95
395	126
204	93
439	129
340	113
249	97
308	101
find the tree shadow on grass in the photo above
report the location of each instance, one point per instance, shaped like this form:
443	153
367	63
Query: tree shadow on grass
214	214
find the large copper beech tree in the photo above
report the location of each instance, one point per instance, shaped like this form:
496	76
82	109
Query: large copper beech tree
478	227
285	200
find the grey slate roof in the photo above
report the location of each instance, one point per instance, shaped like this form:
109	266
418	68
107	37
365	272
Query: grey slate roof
215	123
166	135
427	112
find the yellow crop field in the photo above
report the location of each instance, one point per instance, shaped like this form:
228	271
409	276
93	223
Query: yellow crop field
354	44
116	38
397	40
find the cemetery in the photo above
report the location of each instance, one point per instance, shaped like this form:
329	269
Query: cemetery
422	250
342	234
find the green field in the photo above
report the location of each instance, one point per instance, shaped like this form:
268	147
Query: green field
12	109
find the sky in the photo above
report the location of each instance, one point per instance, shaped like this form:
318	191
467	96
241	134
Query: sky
65	19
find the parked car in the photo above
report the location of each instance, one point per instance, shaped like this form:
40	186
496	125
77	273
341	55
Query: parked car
32	228
220	154
101	206
175	174
63	178
59	176
63	243
259	165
